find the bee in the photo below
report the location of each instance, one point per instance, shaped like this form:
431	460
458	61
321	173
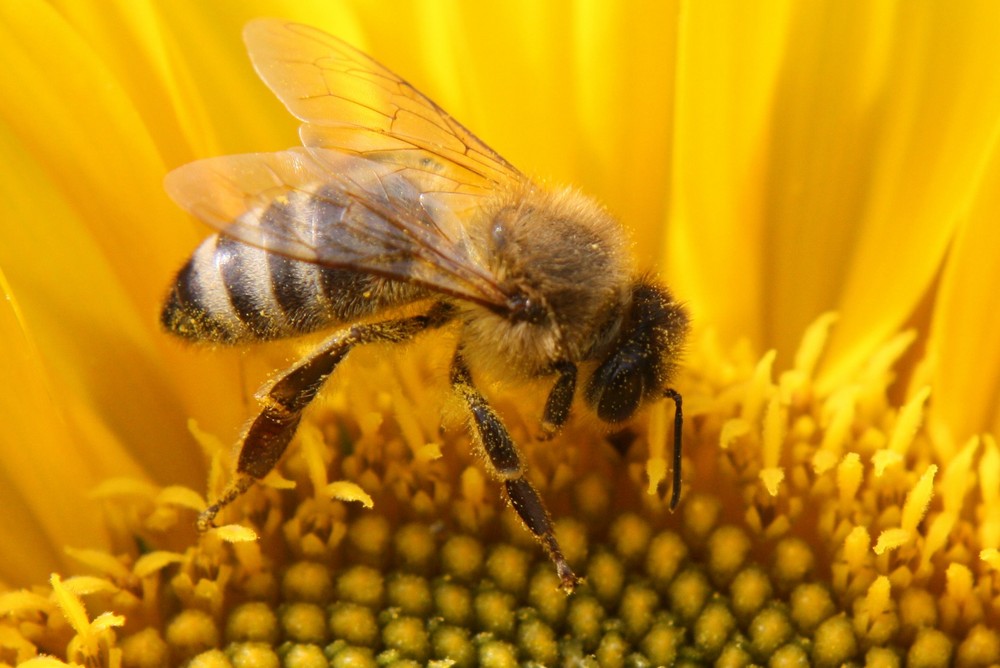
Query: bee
390	202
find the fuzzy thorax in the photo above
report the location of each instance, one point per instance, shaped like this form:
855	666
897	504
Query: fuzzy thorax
559	249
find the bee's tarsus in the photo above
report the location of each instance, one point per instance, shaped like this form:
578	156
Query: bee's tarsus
568	580
206	519
547	432
236	488
532	511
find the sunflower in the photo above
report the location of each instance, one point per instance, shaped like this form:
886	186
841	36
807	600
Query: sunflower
819	182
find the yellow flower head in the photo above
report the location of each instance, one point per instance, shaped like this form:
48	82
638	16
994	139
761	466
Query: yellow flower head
817	182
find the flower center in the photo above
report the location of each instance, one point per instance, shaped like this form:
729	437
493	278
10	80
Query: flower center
818	524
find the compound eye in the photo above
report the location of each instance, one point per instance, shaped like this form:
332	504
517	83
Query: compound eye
615	390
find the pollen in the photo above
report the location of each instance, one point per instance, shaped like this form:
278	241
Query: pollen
820	524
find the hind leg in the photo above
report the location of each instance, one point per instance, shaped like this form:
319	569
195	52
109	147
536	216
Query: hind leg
284	399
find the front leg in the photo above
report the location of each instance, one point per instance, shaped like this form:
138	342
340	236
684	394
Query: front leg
285	398
506	464
559	401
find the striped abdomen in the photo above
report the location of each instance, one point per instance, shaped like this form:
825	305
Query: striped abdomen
230	292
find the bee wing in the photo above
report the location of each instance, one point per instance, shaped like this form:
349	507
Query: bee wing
350	103
341	210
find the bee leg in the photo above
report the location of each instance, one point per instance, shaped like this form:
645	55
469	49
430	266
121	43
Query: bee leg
506	463
559	401
287	396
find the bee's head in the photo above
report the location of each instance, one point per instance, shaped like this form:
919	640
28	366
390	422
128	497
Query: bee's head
641	360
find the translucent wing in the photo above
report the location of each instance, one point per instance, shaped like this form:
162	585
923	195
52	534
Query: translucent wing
350	103
340	210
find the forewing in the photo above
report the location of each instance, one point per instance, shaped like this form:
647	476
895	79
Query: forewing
350	103
341	211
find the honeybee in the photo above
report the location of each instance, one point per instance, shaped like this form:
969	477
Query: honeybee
390	202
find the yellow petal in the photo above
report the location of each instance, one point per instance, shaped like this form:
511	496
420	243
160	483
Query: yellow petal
962	349
83	585
20	601
85	266
349	491
106	620
918	499
151	563
891	539
235	533
100	561
41	468
916	140
183	497
71	606
729	61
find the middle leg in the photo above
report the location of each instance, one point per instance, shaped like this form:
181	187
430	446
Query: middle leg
506	463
